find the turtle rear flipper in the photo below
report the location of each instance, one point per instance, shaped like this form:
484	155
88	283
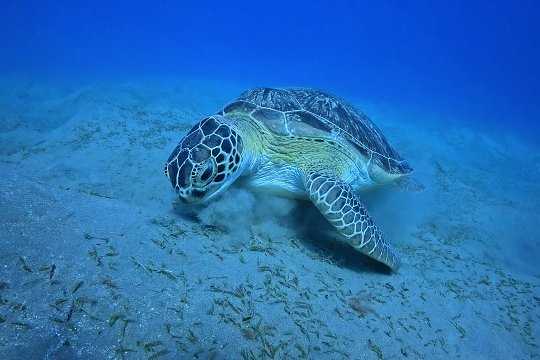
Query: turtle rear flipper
342	208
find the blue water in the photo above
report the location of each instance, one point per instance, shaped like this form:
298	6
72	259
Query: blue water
97	260
473	61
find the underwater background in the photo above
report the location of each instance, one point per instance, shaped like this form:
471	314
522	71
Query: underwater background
98	260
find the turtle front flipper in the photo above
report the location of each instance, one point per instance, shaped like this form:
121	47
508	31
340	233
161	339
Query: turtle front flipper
343	209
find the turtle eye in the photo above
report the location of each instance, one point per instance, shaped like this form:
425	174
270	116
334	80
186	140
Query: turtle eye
206	173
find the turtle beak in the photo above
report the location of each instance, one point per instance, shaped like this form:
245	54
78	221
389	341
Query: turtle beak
184	200
193	196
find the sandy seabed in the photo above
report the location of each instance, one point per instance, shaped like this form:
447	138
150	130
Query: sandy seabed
98	261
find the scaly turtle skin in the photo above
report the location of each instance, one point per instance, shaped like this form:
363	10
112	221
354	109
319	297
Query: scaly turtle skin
300	143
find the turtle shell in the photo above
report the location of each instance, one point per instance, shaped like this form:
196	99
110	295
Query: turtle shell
314	113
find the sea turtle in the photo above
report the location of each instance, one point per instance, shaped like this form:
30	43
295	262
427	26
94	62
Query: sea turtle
300	143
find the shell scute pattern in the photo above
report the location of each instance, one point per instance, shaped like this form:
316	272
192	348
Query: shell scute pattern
303	124
315	113
273	119
277	99
239	106
265	114
310	119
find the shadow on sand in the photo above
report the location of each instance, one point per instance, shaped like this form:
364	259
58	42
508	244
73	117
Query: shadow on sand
313	231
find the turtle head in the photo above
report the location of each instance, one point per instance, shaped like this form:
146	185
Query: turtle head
206	161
